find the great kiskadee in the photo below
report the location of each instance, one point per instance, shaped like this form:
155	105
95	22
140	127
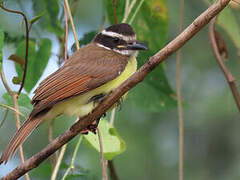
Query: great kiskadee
83	81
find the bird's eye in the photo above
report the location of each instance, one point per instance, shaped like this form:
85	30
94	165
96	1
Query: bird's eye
116	40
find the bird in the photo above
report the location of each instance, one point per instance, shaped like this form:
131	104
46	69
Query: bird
86	78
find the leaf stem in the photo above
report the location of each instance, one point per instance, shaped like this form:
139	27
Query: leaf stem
128	9
179	98
13	109
71	166
15	105
103	163
4	118
66	29
59	160
228	75
72	24
136	11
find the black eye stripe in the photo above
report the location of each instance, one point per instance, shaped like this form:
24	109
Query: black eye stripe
109	41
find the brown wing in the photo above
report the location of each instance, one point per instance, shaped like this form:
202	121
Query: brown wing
83	72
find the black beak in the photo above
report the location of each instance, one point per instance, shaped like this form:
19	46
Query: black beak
137	46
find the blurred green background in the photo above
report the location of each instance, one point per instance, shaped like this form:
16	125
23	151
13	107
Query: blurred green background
211	118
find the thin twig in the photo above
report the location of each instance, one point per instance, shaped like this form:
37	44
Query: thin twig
13	109
228	75
125	11
129	9
15	105
237	2
113	173
179	98
72	24
59	160
113	112
71	167
27	41
66	30
50	138
136	11
66	6
104	169
4	118
107	103
115	10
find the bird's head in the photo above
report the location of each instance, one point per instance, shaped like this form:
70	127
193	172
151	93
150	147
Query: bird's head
120	38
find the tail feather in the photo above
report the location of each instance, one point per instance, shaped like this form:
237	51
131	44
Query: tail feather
20	136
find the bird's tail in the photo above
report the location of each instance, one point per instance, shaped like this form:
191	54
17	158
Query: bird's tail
20	136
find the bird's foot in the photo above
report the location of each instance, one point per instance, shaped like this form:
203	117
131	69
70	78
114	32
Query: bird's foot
91	128
119	103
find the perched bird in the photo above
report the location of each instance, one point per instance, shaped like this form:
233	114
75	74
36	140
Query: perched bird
83	81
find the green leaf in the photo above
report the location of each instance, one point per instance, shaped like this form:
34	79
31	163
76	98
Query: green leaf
44	171
35	19
113	144
229	23
87	38
37	61
120	8
50	11
76	177
23	100
1	46
151	23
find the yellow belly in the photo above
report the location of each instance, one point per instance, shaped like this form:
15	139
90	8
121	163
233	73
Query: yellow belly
78	106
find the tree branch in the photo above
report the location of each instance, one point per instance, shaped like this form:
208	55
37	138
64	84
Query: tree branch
228	75
136	78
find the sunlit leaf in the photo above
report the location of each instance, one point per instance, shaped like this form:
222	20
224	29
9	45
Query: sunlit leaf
1	46
23	100
37	61
113	144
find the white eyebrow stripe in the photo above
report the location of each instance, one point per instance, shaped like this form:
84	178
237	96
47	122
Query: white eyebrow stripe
100	45
114	34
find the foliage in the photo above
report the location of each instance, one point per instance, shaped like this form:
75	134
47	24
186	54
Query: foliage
50	11
23	100
150	134
112	143
37	61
